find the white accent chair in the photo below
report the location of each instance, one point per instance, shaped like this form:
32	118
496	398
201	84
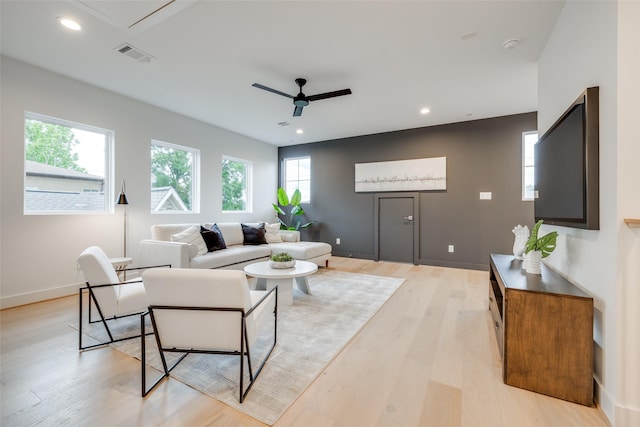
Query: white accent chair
111	298
207	311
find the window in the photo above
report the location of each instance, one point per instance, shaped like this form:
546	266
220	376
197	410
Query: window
174	178
236	185
297	175
66	167
529	140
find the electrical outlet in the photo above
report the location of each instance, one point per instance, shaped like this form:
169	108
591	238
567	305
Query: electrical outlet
485	195
451	248
337	240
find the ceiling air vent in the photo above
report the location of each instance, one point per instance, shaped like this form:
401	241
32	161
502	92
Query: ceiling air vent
135	53
284	124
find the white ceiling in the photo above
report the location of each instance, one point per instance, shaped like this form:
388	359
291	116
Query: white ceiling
396	57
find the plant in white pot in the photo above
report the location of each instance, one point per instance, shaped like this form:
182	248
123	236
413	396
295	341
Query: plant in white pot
282	260
537	248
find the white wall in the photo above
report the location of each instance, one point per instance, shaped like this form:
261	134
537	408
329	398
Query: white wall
628	280
38	252
585	50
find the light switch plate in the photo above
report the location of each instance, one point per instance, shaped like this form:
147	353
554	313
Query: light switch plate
485	195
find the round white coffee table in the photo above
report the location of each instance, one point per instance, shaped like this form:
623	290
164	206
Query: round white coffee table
283	277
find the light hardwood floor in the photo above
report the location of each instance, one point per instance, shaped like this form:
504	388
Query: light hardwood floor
427	358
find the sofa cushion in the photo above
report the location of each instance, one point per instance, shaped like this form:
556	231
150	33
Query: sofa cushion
302	250
213	238
191	236
165	231
272	233
232	255
253	235
231	232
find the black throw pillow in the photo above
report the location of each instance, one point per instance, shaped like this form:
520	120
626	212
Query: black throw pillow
254	235
213	238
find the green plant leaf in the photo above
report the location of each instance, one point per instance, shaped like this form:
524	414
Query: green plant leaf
306	225
283	199
296	198
297	210
547	243
277	208
532	243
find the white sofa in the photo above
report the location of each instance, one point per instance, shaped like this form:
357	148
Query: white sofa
160	249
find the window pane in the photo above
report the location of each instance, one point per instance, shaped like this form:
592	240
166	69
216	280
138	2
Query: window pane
65	166
172	177
235	185
291	170
529	140
304	169
298	176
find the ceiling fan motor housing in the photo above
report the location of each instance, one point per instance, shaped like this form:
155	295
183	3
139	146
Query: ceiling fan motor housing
300	100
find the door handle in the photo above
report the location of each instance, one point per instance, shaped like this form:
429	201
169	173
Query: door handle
409	218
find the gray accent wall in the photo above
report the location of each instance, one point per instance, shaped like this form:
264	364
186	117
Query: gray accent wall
482	156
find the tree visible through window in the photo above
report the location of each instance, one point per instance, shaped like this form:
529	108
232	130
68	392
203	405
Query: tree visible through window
235	184
297	175
173	169
65	166
529	140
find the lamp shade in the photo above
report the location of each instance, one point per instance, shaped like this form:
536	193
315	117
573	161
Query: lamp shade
122	198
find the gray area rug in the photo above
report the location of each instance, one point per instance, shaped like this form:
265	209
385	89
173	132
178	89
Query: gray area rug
310	334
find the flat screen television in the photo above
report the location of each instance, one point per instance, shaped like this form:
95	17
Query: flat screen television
566	170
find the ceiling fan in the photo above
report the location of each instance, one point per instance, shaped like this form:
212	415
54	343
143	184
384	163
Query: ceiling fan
301	100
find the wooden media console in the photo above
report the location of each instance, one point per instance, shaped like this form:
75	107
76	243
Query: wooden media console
544	328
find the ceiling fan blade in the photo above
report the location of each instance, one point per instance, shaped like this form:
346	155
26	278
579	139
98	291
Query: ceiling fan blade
329	94
268	89
297	112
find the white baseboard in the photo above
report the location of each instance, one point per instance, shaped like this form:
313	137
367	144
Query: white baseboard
604	401
39	296
627	417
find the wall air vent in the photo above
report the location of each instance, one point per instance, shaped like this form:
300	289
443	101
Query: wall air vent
135	53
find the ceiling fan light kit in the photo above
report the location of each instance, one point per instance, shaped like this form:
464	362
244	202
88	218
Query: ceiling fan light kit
301	100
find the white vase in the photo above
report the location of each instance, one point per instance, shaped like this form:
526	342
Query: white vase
533	262
522	235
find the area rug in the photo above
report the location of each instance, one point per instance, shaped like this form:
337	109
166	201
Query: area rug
311	333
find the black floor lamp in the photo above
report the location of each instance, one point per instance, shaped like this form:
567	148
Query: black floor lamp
122	200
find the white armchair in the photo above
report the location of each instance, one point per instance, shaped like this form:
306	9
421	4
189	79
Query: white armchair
207	311
111	298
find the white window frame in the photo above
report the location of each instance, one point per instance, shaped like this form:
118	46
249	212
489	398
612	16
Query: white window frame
525	141
195	177
108	166
306	196
249	187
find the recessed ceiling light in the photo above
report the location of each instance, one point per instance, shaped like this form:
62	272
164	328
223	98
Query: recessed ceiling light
510	44
70	24
469	35
299	131
425	110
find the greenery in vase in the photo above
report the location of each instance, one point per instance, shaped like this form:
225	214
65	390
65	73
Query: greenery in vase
545	244
295	212
281	257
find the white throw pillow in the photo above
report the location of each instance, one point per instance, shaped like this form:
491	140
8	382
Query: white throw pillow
272	234
193	237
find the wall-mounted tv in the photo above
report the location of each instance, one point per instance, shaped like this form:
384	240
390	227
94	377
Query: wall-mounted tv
566	172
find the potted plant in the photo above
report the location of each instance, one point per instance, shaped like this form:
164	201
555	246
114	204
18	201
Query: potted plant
295	212
537	248
282	260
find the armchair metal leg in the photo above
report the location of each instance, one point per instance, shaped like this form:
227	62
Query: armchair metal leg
143	358
102	320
